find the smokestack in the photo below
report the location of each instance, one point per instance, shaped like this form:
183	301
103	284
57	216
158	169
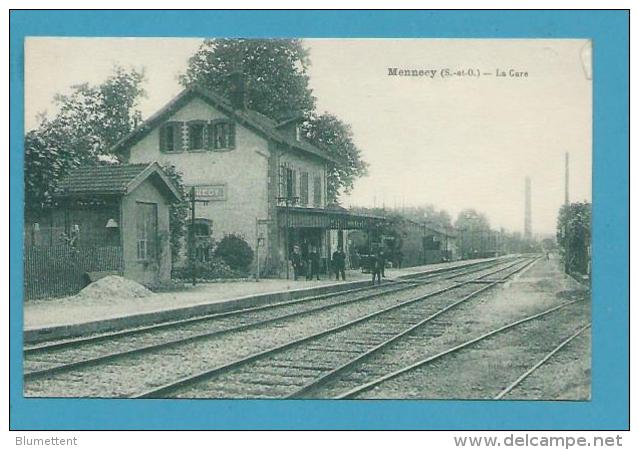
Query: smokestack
238	90
567	197
528	212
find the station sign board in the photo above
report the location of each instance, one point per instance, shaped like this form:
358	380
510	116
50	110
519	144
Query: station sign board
211	192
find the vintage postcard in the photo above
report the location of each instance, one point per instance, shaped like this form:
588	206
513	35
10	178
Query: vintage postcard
302	218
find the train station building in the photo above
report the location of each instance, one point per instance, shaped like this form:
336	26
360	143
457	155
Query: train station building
259	178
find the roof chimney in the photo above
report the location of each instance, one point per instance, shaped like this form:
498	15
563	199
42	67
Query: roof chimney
238	90
292	125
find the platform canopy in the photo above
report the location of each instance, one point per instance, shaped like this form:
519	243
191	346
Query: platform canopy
328	218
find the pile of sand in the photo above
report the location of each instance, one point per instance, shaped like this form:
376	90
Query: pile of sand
111	287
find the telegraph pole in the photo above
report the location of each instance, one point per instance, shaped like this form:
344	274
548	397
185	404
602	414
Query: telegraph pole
257	249
258	241
288	201
192	202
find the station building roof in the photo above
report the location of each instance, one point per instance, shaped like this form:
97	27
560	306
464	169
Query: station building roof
113	179
254	120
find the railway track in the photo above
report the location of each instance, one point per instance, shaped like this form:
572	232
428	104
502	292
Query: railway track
542	362
92	350
361	389
290	369
73	342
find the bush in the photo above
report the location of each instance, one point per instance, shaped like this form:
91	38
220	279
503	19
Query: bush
235	252
205	270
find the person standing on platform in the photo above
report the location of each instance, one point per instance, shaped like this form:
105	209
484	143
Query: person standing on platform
339	264
314	261
376	267
382	259
298	262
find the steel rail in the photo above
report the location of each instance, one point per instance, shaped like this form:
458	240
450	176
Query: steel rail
314	384
195	337
541	362
38	348
162	390
371	384
60	368
181	322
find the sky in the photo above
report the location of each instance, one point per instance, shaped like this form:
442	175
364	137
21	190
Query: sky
455	143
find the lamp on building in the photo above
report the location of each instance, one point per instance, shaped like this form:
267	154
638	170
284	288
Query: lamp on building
111	223
36	226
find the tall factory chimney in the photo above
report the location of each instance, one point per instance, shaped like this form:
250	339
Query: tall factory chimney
567	197
528	217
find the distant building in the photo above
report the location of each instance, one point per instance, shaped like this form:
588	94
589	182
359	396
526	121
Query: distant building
409	243
245	165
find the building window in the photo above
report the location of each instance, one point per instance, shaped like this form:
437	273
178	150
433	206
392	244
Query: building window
222	135
317	191
291	183
197	135
171	137
304	188
202	239
288	184
147	230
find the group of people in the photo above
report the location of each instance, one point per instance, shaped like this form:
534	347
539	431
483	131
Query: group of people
308	266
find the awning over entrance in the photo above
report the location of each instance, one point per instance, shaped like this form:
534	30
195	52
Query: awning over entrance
334	219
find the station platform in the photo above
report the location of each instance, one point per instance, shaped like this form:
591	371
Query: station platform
68	317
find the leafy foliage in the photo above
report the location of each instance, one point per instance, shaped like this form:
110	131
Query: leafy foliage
178	212
235	252
89	121
275	72
573	235
475	236
204	270
336	137
471	220
438	219
277	84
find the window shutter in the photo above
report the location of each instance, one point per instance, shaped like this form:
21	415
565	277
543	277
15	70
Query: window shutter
231	134
304	188
205	135
162	132
317	191
282	179
210	134
294	181
178	142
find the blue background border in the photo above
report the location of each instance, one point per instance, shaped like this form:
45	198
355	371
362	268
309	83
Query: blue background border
609	408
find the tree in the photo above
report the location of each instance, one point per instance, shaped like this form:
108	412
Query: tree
436	218
573	236
275	73
475	235
89	121
336	137
277	84
470	219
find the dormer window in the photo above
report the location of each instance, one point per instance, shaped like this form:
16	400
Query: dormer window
222	135
197	135
171	137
